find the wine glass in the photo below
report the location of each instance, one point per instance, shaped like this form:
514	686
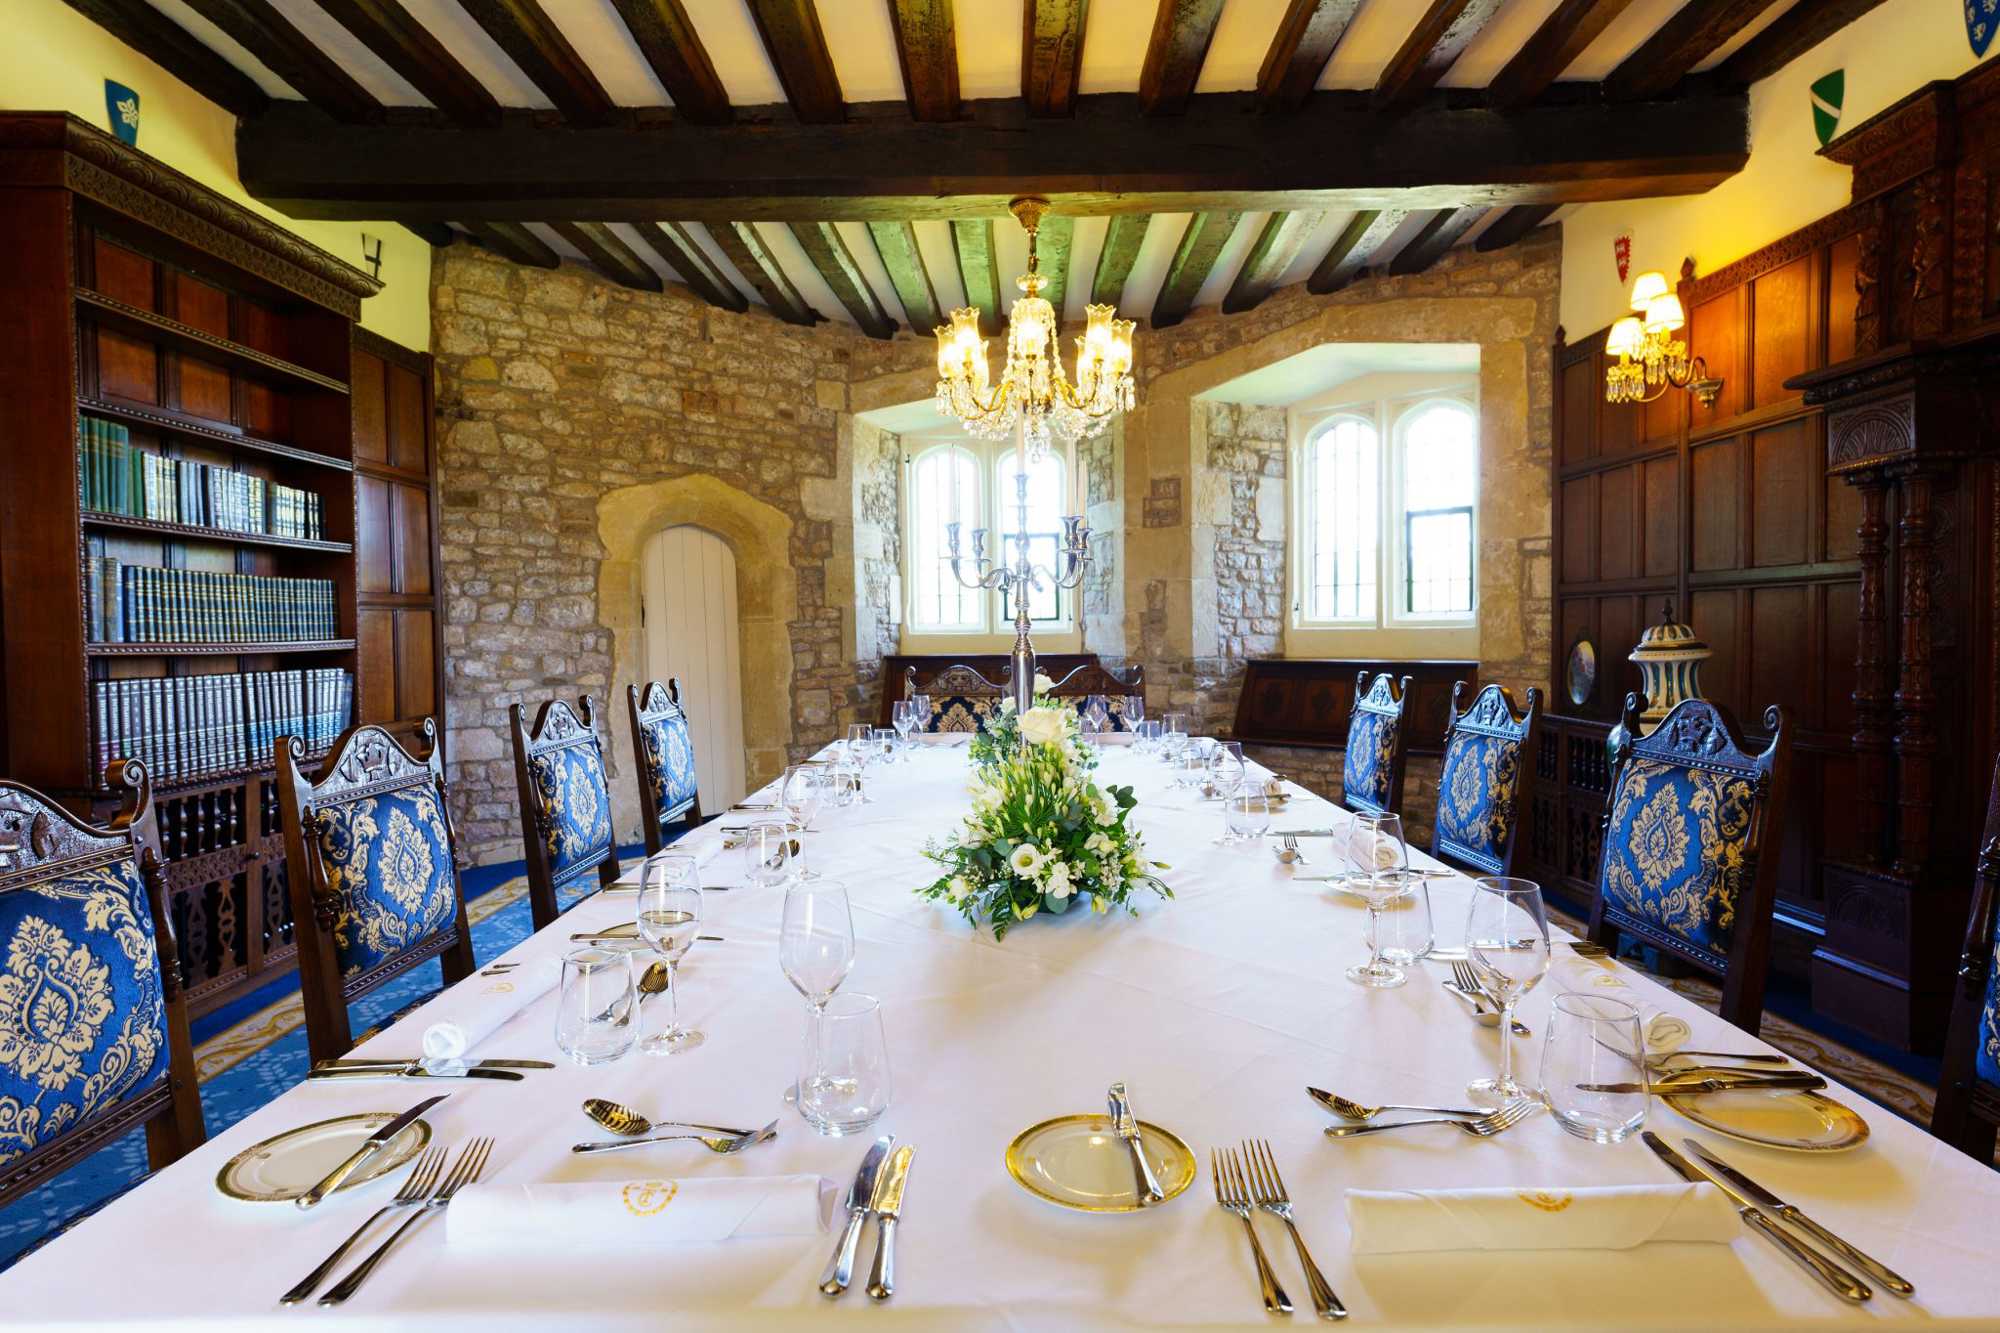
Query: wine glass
1097	709
669	919
1135	711
1173	736
1375	842
920	709
1379	889
804	792
1507	943
816	949
1225	767
904	715
857	742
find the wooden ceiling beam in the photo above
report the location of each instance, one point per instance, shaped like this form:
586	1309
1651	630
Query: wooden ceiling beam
1122	240
896	243
406	46
1051	54
432	233
1572	26
1442	33
177	51
1789	36
1444	229
1276	246
972	242
1182	30
752	256
1512	225
1052	248
672	242
1307	36
1694	33
257	27
1352	250
829	254
927	50
797	47
523	29
511	240
661	31
609	255
1107	158
1201	243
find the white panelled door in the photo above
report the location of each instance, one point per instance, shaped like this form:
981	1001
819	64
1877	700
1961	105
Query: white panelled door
689	587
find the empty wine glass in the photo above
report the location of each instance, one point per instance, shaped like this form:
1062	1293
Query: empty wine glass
857	742
669	919
1507	943
1097	711
1375	842
1134	711
816	948
805	791
904	715
1225	767
1379	889
920	709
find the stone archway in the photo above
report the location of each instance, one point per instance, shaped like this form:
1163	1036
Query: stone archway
767	602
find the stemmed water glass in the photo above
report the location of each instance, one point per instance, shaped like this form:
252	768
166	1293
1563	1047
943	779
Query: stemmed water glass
1507	943
804	792
904	715
1375	842
1097	711
669	919
1225	767
1134	711
816	950
858	736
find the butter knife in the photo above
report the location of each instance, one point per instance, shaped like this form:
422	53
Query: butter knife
375	1143
1835	1278
1705	1086
860	1199
1126	1126
888	1205
413	1070
1778	1208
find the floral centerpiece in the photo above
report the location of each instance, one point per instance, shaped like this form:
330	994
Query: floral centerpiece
1000	734
1042	835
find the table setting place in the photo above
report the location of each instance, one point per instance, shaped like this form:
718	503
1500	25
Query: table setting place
1078	968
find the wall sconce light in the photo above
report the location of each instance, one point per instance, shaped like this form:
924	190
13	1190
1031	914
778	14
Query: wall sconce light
1651	359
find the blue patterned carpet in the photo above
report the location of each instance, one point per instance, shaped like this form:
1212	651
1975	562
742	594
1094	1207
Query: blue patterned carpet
253	1049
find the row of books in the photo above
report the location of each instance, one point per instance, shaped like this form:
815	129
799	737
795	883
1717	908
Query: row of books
184	727
118	478
145	604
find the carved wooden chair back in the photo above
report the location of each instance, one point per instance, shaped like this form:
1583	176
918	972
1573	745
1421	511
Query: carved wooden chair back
1124	691
372	862
961	698
93	1021
1481	781
669	791
565	802
1371	781
1968	1100
1691	817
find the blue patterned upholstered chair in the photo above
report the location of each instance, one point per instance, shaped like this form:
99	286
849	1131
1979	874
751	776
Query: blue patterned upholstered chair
1968	1100
1686	832
1480	784
961	698
1371	771
93	1023
372	862
1119	688
664	748
565	803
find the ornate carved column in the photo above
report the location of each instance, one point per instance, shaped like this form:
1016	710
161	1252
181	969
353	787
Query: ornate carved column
1874	769
1916	744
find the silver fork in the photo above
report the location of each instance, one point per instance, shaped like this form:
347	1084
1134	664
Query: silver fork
1231	1195
1484	1127
725	1145
1291	842
471	1161
416	1186
1468	984
1267	1191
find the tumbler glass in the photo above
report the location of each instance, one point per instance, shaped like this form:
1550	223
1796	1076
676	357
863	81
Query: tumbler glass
597	1011
1593	1042
845	1086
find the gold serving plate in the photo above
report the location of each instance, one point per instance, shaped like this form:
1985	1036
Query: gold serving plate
1076	1162
1792	1118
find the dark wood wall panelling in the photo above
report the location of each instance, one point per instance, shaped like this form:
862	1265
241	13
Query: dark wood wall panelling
1306	701
1832	543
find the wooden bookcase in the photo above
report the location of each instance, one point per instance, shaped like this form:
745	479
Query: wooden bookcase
141	298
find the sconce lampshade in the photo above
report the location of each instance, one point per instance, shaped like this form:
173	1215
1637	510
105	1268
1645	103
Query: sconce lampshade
1647	288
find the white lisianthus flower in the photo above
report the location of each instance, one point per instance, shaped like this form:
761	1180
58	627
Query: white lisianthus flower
1044	726
1043	684
1098	843
1057	882
1027	859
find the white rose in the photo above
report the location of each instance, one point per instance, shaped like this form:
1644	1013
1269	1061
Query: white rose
1044	726
1006	705
959	889
1027	859
1043	684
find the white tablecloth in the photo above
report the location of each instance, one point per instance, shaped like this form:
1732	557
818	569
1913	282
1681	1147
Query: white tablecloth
1217	1008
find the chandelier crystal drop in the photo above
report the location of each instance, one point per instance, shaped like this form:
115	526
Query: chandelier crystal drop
1033	394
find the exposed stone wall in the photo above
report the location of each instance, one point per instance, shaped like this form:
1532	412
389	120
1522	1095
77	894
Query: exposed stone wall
878	553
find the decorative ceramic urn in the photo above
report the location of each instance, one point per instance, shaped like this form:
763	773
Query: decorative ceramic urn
1669	657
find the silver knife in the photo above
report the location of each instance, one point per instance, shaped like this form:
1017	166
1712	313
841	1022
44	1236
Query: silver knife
1778	1208
375	1143
1126	1127
414	1070
888	1205
1835	1278
1710	1085
860	1198
358	1063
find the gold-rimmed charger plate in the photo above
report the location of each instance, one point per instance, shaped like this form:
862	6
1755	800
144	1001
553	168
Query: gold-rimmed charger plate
1792	1118
1076	1162
286	1165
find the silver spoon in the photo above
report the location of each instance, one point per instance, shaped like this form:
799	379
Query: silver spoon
731	1142
622	1120
651	982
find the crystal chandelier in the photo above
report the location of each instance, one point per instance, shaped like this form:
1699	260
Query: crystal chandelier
1651	359
1033	395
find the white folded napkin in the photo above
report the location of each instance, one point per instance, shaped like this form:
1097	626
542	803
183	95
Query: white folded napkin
705	853
637	1213
477	1007
1665	1032
1604	1217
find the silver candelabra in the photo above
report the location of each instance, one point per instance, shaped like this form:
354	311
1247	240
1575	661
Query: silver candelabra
1022	578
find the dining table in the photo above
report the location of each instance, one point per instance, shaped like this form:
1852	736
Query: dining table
1217	1008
